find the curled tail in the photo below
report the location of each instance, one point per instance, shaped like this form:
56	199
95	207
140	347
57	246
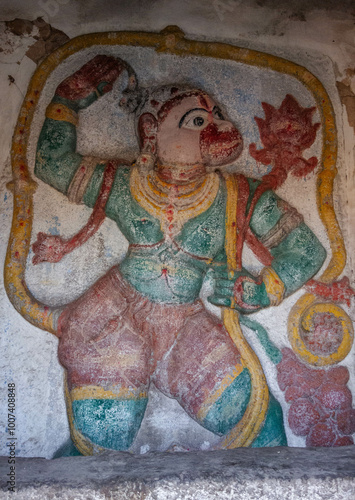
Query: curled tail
33	311
248	428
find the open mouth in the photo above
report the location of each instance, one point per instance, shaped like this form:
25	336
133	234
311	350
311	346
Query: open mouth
223	147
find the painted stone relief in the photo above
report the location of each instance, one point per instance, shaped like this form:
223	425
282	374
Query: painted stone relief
188	212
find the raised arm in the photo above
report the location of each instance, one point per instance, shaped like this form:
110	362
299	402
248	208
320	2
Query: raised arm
83	179
57	161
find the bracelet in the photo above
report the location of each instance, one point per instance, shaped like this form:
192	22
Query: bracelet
289	220
275	288
82	178
238	292
61	112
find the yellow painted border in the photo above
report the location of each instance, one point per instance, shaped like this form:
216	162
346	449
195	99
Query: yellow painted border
97	392
82	443
214	396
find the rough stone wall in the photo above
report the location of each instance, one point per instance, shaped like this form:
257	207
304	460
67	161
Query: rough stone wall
318	35
243	473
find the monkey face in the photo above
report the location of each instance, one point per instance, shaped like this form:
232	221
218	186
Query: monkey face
194	132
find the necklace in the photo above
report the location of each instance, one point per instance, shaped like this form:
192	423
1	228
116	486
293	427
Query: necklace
173	204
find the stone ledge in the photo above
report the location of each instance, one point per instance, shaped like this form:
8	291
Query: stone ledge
245	473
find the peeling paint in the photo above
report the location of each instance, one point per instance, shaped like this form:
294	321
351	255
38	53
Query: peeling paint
347	98
47	38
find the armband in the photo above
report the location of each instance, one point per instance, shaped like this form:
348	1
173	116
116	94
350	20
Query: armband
275	288
60	112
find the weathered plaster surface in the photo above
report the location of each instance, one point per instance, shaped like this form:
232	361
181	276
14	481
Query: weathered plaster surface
247	474
319	35
347	98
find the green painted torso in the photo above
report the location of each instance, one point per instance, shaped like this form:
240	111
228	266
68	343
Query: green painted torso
164	270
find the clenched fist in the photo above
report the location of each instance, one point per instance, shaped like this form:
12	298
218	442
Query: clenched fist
99	74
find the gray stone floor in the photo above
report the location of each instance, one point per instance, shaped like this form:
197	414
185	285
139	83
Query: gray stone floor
264	473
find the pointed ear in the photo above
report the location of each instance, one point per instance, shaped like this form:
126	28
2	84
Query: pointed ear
147	130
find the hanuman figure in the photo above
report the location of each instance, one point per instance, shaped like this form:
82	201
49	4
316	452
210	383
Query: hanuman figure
144	321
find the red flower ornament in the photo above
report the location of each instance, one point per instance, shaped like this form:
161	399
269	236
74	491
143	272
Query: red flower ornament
285	133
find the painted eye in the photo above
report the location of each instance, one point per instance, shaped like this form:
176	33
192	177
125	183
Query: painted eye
194	119
199	121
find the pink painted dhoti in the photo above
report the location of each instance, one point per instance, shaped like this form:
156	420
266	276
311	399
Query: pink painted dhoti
115	338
